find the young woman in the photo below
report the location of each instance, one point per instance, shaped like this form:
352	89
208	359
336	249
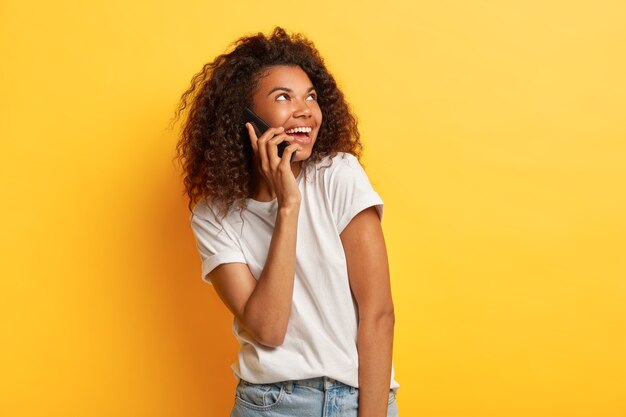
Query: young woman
293	245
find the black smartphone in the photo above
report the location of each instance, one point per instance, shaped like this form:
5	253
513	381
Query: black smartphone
260	127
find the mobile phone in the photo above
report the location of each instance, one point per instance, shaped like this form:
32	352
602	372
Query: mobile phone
260	126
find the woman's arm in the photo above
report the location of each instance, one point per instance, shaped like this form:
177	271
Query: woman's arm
263	307
368	272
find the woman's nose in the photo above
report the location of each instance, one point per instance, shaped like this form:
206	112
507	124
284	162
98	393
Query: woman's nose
302	109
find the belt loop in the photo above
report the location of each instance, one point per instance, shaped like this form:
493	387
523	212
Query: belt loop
352	389
288	386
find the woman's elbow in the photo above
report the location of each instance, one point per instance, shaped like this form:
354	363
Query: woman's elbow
272	340
383	316
270	336
265	330
388	316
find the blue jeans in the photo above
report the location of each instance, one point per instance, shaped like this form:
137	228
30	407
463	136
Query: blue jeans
315	397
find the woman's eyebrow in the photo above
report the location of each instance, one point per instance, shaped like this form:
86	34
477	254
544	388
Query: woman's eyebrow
289	90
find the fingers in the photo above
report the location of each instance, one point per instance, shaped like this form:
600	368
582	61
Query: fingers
259	144
253	137
285	161
268	149
272	147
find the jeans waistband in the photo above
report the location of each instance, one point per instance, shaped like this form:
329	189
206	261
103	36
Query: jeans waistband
322	383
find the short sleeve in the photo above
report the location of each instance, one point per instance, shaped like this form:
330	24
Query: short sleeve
213	242
350	191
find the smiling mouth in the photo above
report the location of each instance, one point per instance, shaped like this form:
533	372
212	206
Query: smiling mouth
300	129
301	134
302	138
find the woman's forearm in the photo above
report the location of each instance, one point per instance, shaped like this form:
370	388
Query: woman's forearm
267	310
375	346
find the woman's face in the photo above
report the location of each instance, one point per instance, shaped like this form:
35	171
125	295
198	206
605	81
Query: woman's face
286	97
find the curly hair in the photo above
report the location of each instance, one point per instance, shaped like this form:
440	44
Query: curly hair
214	148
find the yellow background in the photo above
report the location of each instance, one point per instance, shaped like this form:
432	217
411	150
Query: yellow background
494	131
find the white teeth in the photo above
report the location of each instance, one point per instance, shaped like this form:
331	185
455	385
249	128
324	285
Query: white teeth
299	130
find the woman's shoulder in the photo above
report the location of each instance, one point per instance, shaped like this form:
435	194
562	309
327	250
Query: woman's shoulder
342	156
202	209
332	163
340	170
206	210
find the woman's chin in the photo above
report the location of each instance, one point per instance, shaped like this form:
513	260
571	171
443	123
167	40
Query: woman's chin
301	156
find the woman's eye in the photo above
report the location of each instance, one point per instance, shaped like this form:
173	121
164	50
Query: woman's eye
313	96
281	97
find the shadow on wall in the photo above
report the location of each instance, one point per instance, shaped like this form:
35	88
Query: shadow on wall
193	316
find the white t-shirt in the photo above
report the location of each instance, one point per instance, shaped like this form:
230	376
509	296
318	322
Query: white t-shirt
322	329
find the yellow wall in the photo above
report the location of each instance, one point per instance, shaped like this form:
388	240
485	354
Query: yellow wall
494	131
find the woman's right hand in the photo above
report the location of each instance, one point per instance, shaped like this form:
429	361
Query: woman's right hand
275	171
